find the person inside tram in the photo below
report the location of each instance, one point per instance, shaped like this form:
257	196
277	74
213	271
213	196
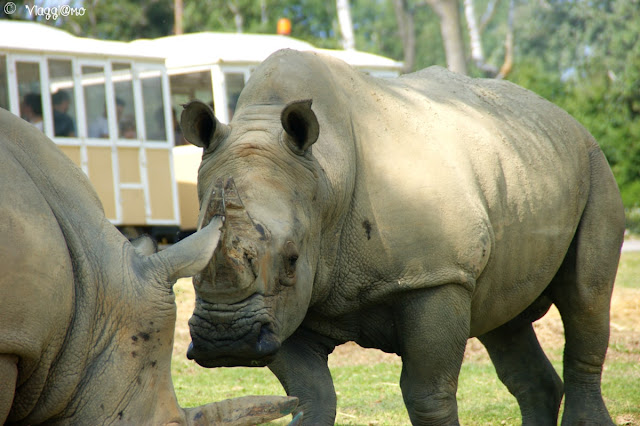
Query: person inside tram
99	128
63	124
32	110
127	127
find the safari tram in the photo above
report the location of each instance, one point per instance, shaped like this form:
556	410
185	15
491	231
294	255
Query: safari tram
113	108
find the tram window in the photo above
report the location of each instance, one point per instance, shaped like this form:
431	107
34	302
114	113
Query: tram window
123	85
187	87
61	86
29	92
153	101
95	101
235	84
4	87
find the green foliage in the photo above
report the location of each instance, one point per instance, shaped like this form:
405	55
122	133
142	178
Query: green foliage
120	19
311	20
585	56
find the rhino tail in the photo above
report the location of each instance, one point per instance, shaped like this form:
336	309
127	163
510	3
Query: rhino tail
247	410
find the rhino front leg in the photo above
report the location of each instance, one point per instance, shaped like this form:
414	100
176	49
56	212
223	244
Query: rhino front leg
433	328
8	377
301	366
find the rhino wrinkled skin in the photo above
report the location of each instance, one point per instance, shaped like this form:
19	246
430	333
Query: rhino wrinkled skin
408	215
86	318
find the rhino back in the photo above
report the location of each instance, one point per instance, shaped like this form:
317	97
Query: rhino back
457	180
51	222
35	268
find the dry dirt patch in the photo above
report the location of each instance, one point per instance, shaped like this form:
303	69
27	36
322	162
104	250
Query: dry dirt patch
624	342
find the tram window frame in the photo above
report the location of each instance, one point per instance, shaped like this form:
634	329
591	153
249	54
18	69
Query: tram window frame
64	90
4	82
232	97
33	88
185	87
127	120
154	105
97	117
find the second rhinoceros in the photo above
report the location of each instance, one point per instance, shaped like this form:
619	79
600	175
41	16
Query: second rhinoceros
407	215
86	318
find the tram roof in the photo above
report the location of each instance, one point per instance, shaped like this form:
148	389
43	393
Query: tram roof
206	48
35	38
180	51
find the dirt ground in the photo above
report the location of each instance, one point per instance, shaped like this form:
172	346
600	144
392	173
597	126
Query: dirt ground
624	344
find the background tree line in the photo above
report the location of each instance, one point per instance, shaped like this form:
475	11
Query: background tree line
583	55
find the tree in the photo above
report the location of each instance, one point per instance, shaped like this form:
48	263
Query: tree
312	20
475	37
592	50
450	29
346	24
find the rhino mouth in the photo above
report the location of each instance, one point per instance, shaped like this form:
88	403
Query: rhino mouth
241	334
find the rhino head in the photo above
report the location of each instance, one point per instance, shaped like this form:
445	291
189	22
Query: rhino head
258	172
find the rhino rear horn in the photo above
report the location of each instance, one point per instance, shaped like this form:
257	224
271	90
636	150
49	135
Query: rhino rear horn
200	126
301	125
189	256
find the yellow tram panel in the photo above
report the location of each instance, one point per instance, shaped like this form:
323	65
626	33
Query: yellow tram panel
100	171
161	188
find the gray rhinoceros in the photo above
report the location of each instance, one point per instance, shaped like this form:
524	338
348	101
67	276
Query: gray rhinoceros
87	319
407	215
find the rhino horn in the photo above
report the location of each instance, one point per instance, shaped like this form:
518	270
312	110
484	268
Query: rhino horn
215	203
248	410
200	126
224	200
189	256
235	209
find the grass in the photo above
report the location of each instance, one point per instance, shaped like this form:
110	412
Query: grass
366	380
629	270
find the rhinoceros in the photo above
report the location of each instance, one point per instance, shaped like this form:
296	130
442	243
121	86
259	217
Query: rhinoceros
409	215
86	318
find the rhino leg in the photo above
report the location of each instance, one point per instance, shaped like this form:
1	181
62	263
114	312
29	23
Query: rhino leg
433	325
582	293
301	366
524	368
8	377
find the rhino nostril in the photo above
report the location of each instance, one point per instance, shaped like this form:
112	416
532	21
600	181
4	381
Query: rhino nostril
251	261
292	261
268	343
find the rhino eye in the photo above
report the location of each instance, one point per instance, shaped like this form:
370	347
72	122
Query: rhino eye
290	258
292	261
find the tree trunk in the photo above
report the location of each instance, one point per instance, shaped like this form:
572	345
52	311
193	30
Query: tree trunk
475	37
346	24
406	28
177	17
237	15
451	30
506	67
477	52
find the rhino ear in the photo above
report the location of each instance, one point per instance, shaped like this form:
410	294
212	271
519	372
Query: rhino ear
301	125
200	126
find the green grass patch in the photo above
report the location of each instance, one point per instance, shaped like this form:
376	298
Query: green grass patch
629	270
369	394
